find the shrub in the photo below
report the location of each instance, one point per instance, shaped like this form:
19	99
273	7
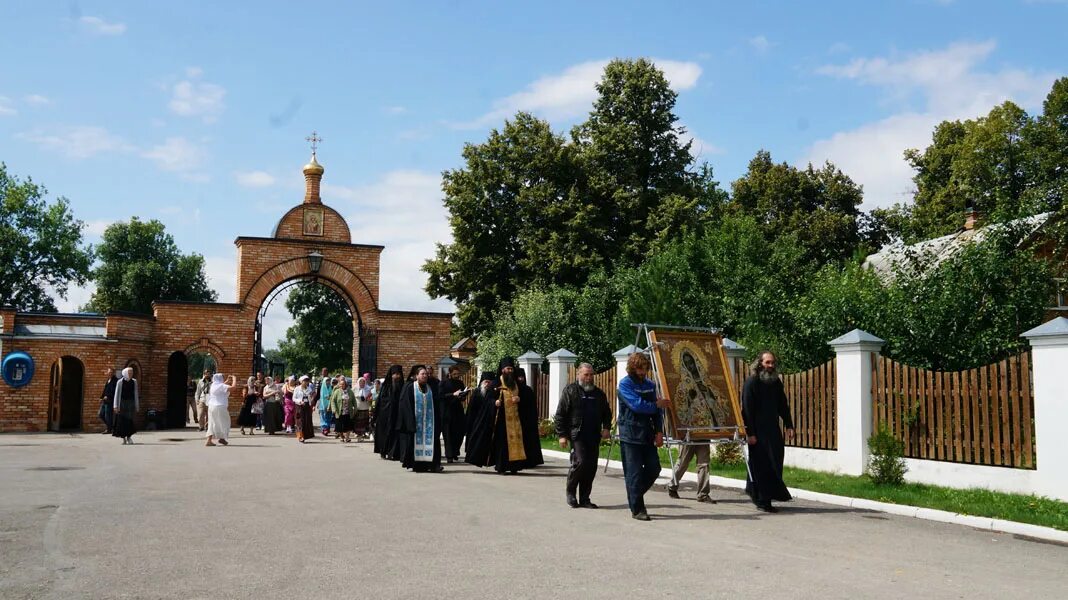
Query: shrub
728	454
547	428
886	466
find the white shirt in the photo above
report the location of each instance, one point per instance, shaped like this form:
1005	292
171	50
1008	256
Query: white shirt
219	395
301	395
363	398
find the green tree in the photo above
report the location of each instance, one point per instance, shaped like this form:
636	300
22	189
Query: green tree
819	206
140	263
321	335
40	246
636	167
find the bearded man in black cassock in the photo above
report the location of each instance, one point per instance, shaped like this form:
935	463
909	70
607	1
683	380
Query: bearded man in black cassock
763	405
386	413
479	422
516	444
453	423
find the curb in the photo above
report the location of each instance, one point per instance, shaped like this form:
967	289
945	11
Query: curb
904	510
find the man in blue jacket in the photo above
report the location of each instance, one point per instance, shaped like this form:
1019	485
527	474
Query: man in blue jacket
641	432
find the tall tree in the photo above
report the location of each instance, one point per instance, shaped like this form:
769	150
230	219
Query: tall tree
140	263
820	206
637	168
321	335
40	246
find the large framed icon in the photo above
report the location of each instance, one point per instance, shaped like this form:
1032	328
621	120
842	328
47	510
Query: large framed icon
694	374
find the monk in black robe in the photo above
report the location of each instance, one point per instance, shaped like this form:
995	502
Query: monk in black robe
763	405
516	444
386	413
419	425
453	422
479	422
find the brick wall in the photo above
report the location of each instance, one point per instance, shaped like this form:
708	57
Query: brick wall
409	338
335	229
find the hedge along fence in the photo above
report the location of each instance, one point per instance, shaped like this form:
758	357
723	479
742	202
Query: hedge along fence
813	399
979	416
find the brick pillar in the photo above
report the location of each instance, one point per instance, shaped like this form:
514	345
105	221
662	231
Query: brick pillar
854	352
1049	356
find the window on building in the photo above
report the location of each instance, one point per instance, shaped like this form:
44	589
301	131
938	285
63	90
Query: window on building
1061	302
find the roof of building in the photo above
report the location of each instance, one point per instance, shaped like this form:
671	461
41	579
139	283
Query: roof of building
896	255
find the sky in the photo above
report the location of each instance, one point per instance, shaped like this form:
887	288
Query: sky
196	113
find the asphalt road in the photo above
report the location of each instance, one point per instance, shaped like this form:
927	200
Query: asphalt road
82	516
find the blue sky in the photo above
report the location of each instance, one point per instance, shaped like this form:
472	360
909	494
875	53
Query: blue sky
195	113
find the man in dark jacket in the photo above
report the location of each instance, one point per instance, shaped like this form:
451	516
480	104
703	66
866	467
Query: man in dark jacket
583	419
641	432
763	405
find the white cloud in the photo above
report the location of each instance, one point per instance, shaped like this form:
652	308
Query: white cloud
222	275
98	26
36	100
78	142
569	94
6	109
926	88
254	179
176	154
95	228
760	44
404	212
77	297
193	98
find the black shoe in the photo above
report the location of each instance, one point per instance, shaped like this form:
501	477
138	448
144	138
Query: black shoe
768	508
588	504
572	502
706	499
642	516
451	460
673	493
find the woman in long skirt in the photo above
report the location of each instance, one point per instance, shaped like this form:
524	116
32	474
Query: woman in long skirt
218	411
289	407
246	418
363	409
343	405
272	407
126	402
302	398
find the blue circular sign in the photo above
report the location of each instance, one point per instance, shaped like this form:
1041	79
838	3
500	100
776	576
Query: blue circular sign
17	368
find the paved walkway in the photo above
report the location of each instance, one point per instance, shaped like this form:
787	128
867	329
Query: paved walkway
82	516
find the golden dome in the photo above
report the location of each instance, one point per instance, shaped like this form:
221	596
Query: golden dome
313	167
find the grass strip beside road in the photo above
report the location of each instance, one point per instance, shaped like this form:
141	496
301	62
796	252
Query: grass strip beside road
977	502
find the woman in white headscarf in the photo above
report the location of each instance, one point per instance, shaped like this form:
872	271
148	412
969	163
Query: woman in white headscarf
272	409
218	415
302	398
127	402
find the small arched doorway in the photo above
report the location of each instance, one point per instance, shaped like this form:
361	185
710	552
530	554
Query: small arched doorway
177	387
65	398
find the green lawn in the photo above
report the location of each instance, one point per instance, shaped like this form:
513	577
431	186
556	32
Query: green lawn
978	502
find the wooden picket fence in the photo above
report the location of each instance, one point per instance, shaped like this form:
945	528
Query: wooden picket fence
979	416
541	391
813	401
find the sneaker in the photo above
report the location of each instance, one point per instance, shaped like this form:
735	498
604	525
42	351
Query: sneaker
673	493
706	499
572	502
642	516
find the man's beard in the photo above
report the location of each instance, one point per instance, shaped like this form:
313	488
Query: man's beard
509	380
587	386
422	387
769	375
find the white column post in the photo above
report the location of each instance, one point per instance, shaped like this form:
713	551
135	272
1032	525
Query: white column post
530	362
1049	357
853	366
621	357
559	361
477	362
443	367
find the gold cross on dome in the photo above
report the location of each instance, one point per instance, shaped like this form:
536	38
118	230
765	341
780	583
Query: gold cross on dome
314	139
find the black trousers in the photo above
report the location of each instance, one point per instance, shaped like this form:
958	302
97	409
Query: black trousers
641	467
583	468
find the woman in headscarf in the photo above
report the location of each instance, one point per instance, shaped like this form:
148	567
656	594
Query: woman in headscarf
302	398
289	407
343	405
272	408
126	403
363	408
246	418
385	413
218	413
